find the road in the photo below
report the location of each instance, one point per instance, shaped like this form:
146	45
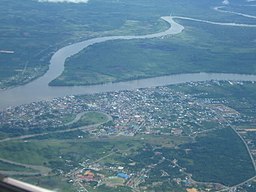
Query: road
42	169
109	118
247	147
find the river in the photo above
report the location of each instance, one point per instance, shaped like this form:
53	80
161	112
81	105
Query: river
39	90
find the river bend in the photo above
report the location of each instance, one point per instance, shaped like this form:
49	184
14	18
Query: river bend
39	90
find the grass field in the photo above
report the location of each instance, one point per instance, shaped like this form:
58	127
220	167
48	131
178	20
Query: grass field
114	181
92	118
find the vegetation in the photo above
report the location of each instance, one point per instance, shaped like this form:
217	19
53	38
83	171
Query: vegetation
4	166
160	161
210	154
66	154
91	118
200	48
50	182
111	189
189	52
65	135
239	96
33	36
219	157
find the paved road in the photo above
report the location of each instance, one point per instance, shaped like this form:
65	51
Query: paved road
109	118
42	169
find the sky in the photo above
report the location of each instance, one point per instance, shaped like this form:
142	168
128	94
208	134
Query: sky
62	1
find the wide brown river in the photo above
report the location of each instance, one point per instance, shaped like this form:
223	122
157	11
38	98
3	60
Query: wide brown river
39	90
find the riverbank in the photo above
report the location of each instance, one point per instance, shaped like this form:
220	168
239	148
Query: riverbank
59	58
27	94
39	90
193	51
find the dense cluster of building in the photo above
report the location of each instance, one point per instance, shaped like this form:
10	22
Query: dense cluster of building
151	111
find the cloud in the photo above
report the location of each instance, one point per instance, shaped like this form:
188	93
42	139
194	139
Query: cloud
225	2
64	1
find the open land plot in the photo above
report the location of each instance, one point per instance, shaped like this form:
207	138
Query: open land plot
91	118
39	152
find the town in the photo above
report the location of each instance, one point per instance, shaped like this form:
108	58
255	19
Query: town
155	113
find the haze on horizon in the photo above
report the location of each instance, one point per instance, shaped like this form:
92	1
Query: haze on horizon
64	1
